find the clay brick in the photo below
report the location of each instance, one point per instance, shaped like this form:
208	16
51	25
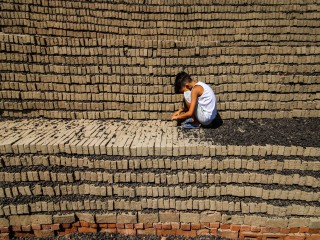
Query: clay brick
43	233
255	229
19	220
4	222
18	228
87	217
93	225
163	232
255	235
46	226
109	230
209	217
313	231
127	231
296	236
195	226
313	237
4	236
67	218
185	226
113	225
190	217
228	234
22	234
166	226
303	229
245	228
55	226
127	218
191	233
169	217
148	231
175	225
87	229
106	218
138	226
214	225
84	224
119	225
35	227
214	231
6	229
148	218
71	230
202	232
128	225
235	227
272	235
225	226
76	224
157	225
148	225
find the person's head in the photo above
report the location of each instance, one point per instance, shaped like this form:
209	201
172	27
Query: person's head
182	82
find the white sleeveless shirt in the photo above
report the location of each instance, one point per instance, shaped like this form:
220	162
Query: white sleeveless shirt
207	109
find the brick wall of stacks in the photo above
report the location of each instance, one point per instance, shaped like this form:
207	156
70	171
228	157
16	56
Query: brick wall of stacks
78	59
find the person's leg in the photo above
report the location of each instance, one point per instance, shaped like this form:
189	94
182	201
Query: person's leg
187	106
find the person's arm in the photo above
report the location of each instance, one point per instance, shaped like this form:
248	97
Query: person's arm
189	113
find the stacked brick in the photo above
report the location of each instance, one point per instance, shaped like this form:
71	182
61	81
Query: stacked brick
97	60
59	176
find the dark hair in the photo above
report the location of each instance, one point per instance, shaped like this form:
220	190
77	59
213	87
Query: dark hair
181	79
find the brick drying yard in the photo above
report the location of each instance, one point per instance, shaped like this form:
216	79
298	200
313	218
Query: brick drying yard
86	94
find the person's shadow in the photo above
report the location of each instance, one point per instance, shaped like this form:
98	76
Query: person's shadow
216	123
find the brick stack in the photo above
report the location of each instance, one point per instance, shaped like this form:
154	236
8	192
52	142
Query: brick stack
148	177
97	60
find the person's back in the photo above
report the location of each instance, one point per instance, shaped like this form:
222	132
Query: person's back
207	102
200	101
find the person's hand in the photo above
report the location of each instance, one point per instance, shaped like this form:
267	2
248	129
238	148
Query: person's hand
177	112
174	117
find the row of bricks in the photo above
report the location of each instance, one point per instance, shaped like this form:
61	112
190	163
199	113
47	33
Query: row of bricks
166	216
204	3
152	58
131	46
79	84
161	225
215	28
160	163
54	17
160	93
149	191
146	106
164	13
134	42
270	99
70	7
163	178
282	39
167	229
29	80
153	115
163	71
160	204
158	145
58	45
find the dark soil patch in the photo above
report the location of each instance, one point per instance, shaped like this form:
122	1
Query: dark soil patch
286	132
